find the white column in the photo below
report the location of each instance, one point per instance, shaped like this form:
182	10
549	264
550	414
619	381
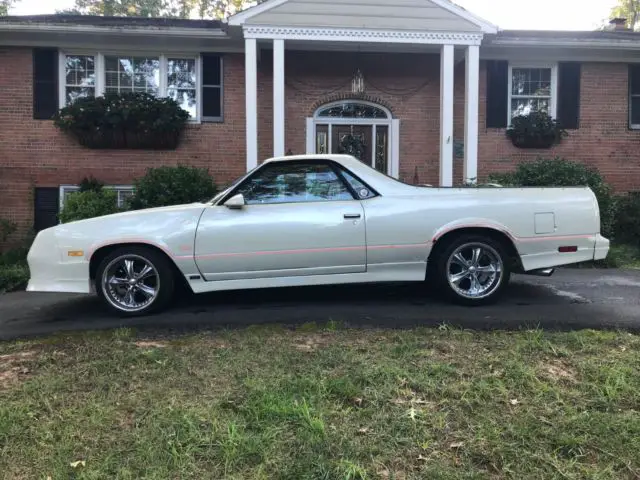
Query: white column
311	142
472	82
251	97
446	116
278	98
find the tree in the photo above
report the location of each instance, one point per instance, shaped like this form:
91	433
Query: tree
4	7
629	9
158	8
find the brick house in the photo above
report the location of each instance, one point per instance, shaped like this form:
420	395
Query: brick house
428	87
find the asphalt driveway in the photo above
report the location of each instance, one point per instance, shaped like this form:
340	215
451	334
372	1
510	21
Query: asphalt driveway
584	298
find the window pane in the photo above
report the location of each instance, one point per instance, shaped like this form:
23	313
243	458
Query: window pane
294	183
181	73
211	71
382	145
185	98
360	188
524	106
79	73
73	93
531	81
211	102
635	110
634	79
129	74
352	110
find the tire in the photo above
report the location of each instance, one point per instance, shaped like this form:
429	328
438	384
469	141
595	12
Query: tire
135	293
478	282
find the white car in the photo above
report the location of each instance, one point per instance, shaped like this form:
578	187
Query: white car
317	220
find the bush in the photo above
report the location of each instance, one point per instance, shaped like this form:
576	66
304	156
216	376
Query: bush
627	223
13	277
559	172
535	130
130	120
7	227
89	204
165	186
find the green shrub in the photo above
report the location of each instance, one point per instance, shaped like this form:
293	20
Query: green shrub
89	204
627	223
164	186
13	277
559	172
129	120
7	227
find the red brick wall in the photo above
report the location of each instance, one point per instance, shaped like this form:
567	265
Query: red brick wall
34	153
603	139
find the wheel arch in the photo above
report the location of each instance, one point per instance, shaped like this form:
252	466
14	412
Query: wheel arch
102	252
445	236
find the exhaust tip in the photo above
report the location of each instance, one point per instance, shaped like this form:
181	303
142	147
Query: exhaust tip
541	272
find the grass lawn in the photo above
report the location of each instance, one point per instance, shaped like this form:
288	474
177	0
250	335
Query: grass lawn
322	403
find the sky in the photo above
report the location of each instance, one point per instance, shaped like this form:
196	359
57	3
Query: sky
507	14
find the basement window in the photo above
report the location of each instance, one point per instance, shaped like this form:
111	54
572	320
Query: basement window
124	193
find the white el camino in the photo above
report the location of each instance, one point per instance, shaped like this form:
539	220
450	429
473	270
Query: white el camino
316	220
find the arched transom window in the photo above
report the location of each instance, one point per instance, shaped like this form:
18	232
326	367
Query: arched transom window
354	127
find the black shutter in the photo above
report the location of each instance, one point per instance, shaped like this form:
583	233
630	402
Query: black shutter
45	204
212	79
45	83
569	94
497	93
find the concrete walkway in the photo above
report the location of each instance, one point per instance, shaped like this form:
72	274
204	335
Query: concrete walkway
580	298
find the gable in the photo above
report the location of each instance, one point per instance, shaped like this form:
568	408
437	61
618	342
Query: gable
415	15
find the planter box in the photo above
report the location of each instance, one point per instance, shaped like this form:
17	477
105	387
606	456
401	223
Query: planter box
533	142
124	140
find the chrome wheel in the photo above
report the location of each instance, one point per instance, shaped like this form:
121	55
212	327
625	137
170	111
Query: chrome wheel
474	270
130	283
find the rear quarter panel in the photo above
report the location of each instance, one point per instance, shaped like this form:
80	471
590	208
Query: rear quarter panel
404	228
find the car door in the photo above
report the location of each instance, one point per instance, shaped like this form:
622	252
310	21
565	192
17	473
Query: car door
299	218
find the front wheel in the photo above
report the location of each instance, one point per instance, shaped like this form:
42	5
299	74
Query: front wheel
473	269
135	281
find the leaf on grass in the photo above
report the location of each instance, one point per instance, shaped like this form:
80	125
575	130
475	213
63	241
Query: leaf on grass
456	445
78	463
424	459
413	413
363	430
514	401
357	401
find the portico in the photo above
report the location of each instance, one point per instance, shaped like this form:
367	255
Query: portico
416	26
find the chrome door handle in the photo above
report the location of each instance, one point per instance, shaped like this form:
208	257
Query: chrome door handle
351	215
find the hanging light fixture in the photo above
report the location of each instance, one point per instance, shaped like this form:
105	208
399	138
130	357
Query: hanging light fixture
357	83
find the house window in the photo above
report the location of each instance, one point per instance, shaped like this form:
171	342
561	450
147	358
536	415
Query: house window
182	83
132	74
634	96
124	192
194	82
80	77
532	88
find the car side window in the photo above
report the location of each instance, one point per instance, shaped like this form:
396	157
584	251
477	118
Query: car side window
294	183
362	191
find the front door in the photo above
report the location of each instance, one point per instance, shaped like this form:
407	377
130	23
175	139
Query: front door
299	219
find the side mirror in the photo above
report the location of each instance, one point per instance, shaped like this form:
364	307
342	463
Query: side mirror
236	202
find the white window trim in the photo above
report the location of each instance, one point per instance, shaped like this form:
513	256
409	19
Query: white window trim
393	149
64	189
101	73
553	103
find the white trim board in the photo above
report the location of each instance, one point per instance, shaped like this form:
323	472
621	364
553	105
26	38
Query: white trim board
361	35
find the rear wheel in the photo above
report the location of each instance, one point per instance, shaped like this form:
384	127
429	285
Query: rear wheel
135	281
473	269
